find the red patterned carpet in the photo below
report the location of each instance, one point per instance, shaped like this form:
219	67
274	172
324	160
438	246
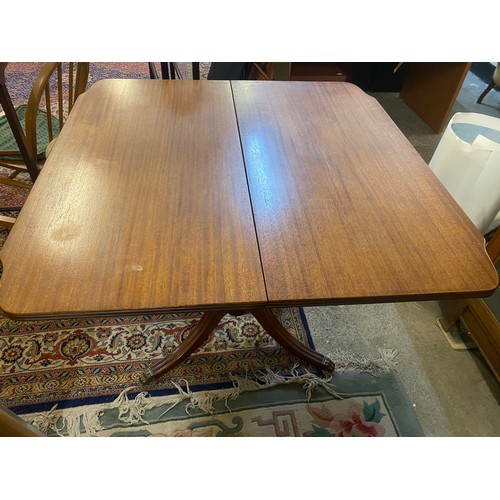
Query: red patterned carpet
76	361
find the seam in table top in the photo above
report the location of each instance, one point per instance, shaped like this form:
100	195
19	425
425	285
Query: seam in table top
249	192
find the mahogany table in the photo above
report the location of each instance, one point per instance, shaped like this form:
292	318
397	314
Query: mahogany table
218	196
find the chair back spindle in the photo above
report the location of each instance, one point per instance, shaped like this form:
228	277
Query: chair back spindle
59	85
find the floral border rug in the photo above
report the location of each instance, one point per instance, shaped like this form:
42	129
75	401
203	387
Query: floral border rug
77	362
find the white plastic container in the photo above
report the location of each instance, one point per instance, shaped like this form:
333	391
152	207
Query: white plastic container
467	161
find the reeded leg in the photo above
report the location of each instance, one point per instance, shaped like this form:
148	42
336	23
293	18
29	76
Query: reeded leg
279	333
209	322
196	337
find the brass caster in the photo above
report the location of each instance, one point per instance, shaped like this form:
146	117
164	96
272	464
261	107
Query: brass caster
329	366
147	377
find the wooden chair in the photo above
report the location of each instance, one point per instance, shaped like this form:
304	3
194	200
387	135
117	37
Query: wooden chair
17	132
52	74
170	71
56	89
495	80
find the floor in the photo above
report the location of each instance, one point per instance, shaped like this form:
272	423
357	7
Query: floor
453	391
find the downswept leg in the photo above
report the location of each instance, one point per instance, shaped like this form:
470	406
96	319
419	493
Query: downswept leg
196	337
278	332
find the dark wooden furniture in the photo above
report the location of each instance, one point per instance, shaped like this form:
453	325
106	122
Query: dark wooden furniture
431	89
305	193
17	130
23	149
310	71
64	86
170	71
482	317
50	84
495	80
13	426
59	85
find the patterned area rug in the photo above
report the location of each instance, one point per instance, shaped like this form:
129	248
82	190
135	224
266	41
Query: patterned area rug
81	378
80	362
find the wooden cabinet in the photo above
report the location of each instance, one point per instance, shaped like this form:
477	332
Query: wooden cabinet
484	325
308	71
431	89
482	316
317	71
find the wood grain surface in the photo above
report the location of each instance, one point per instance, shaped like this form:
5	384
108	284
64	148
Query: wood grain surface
346	210
431	89
142	206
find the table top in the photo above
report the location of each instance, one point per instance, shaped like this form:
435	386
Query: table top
196	195
345	208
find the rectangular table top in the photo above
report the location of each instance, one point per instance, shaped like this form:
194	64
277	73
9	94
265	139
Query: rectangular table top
197	195
345	208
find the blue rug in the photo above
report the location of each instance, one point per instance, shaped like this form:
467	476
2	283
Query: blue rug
352	404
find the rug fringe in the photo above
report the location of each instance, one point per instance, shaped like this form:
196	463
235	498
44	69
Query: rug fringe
71	419
86	421
348	360
205	401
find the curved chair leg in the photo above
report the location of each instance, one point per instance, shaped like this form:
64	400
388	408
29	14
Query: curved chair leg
196	337
16	127
278	332
486	90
